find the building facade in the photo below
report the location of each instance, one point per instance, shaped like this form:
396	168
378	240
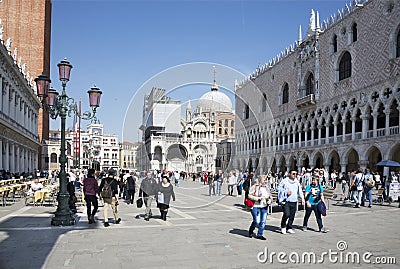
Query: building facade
19	108
25	28
51	149
98	150
128	155
330	100
176	143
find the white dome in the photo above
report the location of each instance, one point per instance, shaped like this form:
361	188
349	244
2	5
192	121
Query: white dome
215	100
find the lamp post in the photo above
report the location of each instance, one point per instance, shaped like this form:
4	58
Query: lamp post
61	106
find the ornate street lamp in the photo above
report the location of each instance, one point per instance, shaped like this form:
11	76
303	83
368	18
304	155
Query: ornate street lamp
61	106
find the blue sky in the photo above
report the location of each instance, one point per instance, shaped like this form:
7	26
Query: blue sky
122	45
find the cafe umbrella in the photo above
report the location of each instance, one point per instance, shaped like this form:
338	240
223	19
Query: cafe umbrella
388	163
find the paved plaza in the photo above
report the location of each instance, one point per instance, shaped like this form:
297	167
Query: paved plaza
200	232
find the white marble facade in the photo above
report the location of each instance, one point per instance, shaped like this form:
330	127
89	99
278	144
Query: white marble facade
19	109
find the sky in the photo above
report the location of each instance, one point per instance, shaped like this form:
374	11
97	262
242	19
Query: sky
126	47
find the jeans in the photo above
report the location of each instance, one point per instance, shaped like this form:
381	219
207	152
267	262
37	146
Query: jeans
344	187
219	187
367	192
289	212
317	216
91	200
147	203
357	195
211	187
259	218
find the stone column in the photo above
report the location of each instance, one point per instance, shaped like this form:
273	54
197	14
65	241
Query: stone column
344	129
1	94
12	158
387	114
365	124
375	123
327	133
335	124
319	134
353	128
299	138
343	167
7	100
1	146
312	135
18	160
294	139
7	156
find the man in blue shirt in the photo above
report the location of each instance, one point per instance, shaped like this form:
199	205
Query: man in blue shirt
288	193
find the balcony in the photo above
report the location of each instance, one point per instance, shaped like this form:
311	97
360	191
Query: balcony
306	101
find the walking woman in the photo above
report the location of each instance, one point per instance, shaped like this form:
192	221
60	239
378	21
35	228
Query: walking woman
165	191
90	190
261	195
314	196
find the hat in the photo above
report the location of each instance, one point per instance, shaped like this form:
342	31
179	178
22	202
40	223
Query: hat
112	172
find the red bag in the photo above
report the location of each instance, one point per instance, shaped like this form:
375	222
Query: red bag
248	202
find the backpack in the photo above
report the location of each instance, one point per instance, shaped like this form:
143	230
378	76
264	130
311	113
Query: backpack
107	191
370	182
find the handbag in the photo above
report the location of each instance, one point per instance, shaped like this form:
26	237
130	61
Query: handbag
322	208
160	198
248	202
139	203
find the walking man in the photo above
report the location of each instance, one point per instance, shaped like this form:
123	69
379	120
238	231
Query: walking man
220	179
109	193
148	190
288	192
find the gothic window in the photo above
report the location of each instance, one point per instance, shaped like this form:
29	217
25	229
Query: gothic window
398	45
233	123
334	43
219	130
345	66
354	28
310	84
53	158
285	94
199	160
226	123
264	103
246	111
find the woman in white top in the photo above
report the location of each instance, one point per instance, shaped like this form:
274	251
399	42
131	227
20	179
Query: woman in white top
232	180
261	195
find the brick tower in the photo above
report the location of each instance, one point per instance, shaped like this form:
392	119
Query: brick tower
28	24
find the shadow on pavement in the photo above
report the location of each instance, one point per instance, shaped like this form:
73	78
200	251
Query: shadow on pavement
29	245
241	232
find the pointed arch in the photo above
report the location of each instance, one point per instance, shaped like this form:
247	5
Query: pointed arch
345	66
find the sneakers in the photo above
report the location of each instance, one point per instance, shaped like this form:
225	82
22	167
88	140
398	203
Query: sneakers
290	231
283	230
261	237
304	228
106	224
146	218
118	221
323	230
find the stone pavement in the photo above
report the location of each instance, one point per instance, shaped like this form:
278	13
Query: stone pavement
200	232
